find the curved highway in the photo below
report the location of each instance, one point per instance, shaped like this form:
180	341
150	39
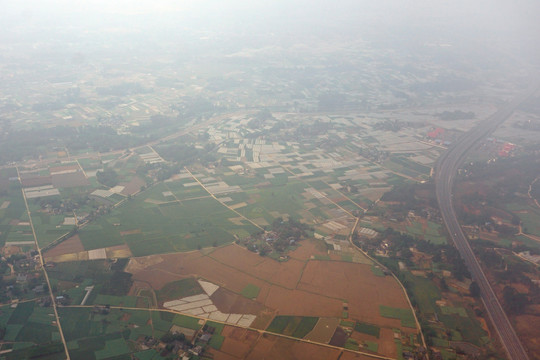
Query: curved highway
445	173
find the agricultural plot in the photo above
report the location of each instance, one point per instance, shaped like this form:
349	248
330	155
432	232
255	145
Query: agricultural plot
31	331
309	295
529	215
14	223
405	315
427	230
148	227
247	344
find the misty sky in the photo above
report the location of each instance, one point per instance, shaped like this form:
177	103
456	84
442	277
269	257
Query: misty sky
492	23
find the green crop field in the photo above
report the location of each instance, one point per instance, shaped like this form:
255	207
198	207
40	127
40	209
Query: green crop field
187	322
112	348
216	341
251	291
21	313
405	315
371	346
295	326
368	329
305	326
376	270
165	228
449	310
425	292
179	289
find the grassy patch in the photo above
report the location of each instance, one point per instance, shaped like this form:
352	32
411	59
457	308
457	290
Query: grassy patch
306	325
179	289
112	348
377	271
449	310
405	315
295	326
351	344
371	346
368	329
21	313
251	291
187	322
216	341
218	326
35	332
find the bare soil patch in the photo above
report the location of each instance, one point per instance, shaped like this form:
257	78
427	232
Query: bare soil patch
528	329
348	355
358	285
237	342
69	246
228	302
323	330
295	287
339	338
273	347
69	180
133	187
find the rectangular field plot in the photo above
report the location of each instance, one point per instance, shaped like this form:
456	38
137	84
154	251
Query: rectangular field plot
405	315
31	330
273	202
161	228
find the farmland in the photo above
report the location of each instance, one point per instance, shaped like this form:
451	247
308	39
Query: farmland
30	331
292	295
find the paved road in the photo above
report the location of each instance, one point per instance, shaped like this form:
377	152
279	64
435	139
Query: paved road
445	173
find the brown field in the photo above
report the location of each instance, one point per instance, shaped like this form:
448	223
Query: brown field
118	251
347	355
69	246
69	180
527	327
339	338
357	284
228	302
386	343
56	169
323	330
72	250
274	347
237	343
300	286
133	186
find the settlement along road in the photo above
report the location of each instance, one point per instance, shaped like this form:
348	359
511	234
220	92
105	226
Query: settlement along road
445	173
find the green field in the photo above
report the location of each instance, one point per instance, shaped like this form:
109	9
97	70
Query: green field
179	289
448	310
169	227
251	291
426	293
371	346
112	348
187	322
98	335
295	326
216	341
368	329
376	270
30	329
405	315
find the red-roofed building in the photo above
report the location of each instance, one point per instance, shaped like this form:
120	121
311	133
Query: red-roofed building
435	133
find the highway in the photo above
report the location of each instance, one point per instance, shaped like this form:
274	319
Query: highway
445	173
